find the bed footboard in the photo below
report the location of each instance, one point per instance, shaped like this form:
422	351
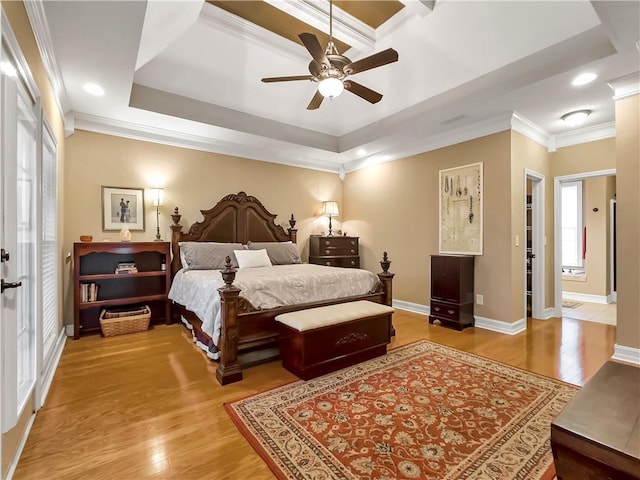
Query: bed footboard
229	369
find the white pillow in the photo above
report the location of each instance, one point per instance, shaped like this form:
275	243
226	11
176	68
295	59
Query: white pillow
252	258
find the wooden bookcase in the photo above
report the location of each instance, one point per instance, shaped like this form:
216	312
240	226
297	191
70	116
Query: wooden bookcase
95	263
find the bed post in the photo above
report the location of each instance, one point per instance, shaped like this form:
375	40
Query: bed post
293	231
228	370
386	277
176	233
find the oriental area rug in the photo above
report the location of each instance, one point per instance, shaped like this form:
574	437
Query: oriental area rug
422	411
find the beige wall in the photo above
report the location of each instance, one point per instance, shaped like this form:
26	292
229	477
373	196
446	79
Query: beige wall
192	180
17	16
584	158
394	207
529	155
628	232
596	193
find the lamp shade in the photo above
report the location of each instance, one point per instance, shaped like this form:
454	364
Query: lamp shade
330	87
157	196
330	209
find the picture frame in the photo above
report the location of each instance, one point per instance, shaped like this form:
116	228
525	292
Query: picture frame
461	210
122	208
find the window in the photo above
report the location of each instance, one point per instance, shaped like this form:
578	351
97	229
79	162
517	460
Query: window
572	224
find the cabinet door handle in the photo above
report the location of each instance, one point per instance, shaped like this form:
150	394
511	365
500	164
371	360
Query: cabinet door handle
6	285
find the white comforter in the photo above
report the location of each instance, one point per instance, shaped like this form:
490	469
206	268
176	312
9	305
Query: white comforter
267	287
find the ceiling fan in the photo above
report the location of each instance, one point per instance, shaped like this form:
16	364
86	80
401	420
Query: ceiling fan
330	70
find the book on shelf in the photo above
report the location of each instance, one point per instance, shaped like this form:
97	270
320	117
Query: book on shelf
126	267
89	292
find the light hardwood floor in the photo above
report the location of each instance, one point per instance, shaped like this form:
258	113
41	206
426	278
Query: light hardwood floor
147	405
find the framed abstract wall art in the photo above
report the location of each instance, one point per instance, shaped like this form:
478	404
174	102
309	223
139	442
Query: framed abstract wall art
460	206
122	208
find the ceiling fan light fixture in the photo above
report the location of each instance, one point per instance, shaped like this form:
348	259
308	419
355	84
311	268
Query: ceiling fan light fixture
330	87
577	118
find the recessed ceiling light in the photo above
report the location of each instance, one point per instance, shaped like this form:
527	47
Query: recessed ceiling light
576	118
361	152
584	78
93	89
8	69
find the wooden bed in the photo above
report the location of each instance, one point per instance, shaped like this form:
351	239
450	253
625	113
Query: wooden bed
248	335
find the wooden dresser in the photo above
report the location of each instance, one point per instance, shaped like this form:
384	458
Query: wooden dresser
452	290
334	251
597	435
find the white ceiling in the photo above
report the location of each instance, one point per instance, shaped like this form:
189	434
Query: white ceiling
188	73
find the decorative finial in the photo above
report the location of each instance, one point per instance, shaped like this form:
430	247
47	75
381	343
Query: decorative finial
175	216
228	273
385	263
292	221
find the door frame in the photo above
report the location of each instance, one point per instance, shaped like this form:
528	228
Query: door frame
538	294
613	206
557	228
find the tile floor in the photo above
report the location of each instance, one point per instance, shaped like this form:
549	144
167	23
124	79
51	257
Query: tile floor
593	312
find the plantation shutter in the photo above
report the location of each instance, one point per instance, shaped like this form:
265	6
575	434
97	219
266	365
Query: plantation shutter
49	247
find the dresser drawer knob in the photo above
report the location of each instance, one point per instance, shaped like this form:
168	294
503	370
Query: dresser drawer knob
328	264
437	309
353	251
327	252
327	242
353	262
451	312
353	242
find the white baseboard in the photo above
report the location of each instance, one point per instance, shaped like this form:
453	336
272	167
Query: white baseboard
626	354
501	327
411	307
23	441
69	330
48	379
586	297
549	312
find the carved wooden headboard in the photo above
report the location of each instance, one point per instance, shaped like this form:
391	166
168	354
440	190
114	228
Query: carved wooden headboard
236	218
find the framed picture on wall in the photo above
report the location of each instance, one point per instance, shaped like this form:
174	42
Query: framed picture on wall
460	206
122	208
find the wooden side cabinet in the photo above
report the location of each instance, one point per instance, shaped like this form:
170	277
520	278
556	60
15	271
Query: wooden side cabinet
334	251
96	285
452	290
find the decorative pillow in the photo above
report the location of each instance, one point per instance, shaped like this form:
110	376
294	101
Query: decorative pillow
252	258
207	255
280	253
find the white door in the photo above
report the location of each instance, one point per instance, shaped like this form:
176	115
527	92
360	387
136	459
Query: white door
18	130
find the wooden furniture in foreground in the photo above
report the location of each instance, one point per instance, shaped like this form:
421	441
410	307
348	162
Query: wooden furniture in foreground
349	333
334	251
248	336
597	435
95	264
452	290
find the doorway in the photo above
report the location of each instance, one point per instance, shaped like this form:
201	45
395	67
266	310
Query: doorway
558	240
534	234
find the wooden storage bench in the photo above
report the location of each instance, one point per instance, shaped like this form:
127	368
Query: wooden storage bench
324	339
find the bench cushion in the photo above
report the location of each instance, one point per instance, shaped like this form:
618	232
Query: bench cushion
313	318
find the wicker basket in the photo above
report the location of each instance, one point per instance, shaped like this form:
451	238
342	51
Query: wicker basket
118	322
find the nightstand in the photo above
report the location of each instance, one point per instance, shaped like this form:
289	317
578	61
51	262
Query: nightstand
334	251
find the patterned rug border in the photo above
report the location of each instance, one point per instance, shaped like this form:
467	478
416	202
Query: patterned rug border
342	377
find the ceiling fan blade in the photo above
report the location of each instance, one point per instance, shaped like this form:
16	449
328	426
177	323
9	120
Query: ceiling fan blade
376	60
288	79
362	91
310	41
315	101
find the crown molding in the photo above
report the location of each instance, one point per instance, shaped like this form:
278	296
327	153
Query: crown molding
529	129
243	29
261	151
346	28
404	149
625	86
584	135
41	32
